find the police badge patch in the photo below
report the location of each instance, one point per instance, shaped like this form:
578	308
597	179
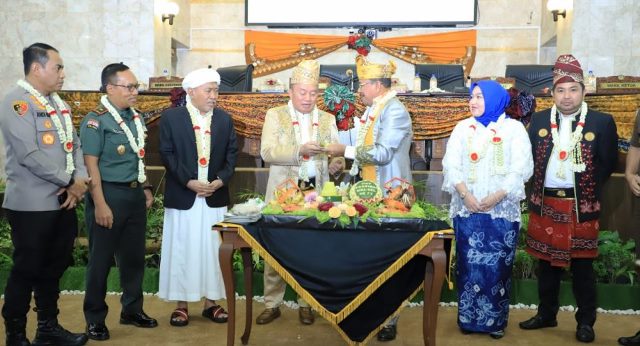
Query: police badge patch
93	124
48	139
20	107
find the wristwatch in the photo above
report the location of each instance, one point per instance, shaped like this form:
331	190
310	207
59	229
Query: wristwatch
463	195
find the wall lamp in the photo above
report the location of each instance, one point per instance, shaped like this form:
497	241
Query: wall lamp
171	9
559	8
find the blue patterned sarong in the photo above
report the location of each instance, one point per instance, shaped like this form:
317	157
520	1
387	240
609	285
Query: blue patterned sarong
485	251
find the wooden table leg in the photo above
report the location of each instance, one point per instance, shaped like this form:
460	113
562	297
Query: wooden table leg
225	255
248	292
434	276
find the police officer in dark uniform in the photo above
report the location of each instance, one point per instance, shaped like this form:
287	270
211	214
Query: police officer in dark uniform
113	137
46	178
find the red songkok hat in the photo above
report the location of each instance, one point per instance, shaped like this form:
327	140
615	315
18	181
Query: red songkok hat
567	69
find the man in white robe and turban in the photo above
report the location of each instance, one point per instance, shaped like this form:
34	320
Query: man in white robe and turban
198	149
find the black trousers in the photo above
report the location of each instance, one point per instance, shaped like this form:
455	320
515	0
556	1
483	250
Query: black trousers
43	243
584	289
126	241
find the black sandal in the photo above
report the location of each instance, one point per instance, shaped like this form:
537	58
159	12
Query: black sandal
216	313
179	317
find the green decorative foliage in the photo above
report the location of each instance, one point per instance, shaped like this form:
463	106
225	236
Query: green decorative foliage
433	212
257	262
6	247
247	194
616	258
155	220
524	265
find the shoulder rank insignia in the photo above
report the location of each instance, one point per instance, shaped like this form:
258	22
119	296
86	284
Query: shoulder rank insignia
35	101
100	110
20	107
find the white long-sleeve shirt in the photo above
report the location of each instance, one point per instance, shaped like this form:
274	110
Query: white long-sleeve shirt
518	165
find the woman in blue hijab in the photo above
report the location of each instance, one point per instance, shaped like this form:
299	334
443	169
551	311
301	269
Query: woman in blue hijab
487	161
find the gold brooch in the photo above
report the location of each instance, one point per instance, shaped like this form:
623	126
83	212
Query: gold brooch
543	133
589	136
121	149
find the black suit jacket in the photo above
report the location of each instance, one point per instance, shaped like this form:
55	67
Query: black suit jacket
179	156
599	152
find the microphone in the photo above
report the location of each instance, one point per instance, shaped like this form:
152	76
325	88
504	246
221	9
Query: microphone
349	72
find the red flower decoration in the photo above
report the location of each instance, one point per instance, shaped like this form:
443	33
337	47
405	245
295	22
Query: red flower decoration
69	146
563	155
496	140
361	43
360	208
203	161
325	206
340	101
351	110
473	157
362	51
141	153
343	125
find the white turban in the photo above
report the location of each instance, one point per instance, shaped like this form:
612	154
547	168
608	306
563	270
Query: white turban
201	76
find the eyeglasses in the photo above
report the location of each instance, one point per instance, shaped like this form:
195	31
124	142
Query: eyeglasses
130	87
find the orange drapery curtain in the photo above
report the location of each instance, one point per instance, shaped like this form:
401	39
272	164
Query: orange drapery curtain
456	47
439	48
271	52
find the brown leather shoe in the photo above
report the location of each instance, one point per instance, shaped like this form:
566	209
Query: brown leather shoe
306	316
268	315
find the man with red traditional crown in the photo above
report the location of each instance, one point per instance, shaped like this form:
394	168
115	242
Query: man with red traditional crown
199	149
383	138
293	142
574	151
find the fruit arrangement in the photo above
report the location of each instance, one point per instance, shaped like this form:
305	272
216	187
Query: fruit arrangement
346	203
400	197
288	196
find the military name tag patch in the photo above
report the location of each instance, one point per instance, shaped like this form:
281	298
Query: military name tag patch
20	107
589	136
48	138
93	124
543	133
42	115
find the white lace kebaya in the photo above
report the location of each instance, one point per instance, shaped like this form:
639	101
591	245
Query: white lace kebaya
517	163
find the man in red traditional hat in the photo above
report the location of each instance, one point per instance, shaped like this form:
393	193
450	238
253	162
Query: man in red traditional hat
574	152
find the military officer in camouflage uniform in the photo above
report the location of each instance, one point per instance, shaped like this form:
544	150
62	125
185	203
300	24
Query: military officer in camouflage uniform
113	137
46	178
